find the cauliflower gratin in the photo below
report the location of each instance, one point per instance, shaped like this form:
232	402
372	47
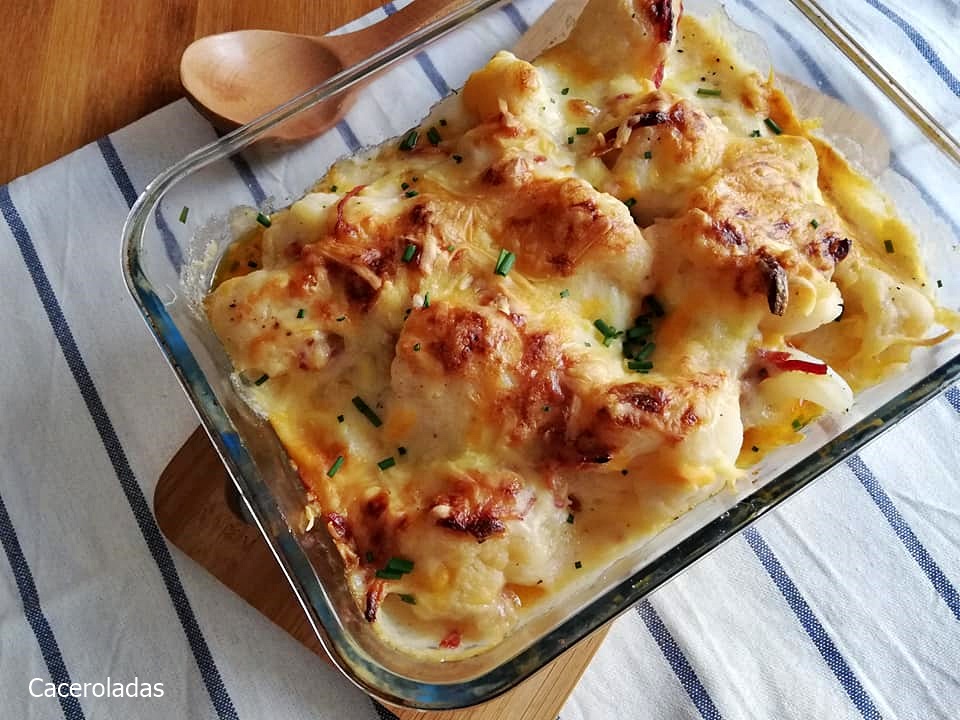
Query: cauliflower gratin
582	296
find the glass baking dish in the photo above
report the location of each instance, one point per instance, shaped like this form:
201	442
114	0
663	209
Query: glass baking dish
165	272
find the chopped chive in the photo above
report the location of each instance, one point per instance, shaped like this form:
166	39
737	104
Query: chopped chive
252	264
414	178
400	565
300	314
404	186
416	347
340	418
647	155
335	467
369	556
755	448
578	564
388	575
546	408
605	330
797	423
582	130
409	599
772	124
624	472
939	283
630	202
409	252
814	223
457	159
401	450
655	307
263	220
433	135
411	193
570	518
386	463
261	380
635	333
341	318
366	411
709	92
426	300
443	122
645	352
409	140
565	91
451	248
570	140
640	365
755	133
184	213
564	293
505	262
888	244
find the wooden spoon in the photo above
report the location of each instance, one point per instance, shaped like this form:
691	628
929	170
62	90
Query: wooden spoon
238	76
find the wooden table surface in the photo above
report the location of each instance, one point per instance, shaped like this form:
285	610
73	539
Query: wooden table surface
74	70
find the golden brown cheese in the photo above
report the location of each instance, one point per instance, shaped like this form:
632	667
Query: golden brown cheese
553	317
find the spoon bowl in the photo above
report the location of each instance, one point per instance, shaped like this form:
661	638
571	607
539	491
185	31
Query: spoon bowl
238	76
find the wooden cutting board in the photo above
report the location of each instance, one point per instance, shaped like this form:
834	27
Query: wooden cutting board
192	511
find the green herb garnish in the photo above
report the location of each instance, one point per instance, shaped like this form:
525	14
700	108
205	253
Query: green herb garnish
409	140
505	262
630	202
708	92
426	299
772	124
457	159
388	575
411	193
582	130
386	463
261	380
400	565
570	140
409	252
409	599
565	91
443	122
416	347
647	155
814	223
366	411
333	188
401	450
433	135
340	418
335	467
252	264
300	314
578	564
755	133
888	244
564	293
570	518
263	220
184	213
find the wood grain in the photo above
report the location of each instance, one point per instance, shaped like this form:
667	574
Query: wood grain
74	70
192	512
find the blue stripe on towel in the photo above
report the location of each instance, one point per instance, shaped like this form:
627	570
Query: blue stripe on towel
941	583
810	623
678	661
516	18
31	605
249	179
921	44
426	64
111	443
349	137
953	397
122	179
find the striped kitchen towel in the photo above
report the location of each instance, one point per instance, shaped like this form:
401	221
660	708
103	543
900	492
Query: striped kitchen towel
843	603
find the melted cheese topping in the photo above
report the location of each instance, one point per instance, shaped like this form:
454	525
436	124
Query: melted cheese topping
471	440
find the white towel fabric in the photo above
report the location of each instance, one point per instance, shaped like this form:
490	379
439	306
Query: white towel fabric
843	603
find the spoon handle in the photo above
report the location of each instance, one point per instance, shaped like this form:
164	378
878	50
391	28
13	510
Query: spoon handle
361	44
